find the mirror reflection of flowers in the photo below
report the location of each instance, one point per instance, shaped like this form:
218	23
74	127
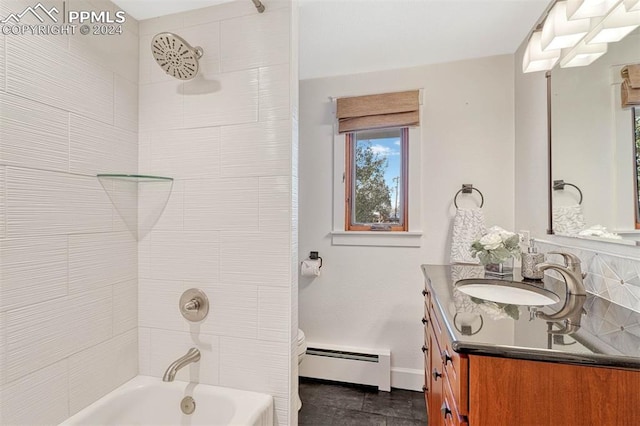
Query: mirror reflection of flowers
496	246
497	310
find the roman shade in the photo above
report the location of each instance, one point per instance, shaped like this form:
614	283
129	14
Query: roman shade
397	109
630	87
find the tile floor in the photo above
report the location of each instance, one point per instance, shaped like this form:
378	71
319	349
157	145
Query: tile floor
337	404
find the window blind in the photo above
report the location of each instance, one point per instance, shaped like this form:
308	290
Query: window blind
630	87
397	109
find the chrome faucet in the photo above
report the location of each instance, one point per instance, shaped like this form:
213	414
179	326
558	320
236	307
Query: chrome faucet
193	355
570	271
572	310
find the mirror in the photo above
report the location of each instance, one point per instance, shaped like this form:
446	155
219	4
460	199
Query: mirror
593	148
636	146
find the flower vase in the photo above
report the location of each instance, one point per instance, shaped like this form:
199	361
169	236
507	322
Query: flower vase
502	269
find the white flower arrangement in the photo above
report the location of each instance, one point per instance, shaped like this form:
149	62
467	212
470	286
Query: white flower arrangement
496	246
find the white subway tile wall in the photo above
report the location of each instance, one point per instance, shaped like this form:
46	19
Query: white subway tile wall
3	206
39	398
42	71
103	307
101	368
68	266
33	134
227	138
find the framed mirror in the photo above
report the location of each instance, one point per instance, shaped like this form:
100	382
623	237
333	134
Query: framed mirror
636	150
595	161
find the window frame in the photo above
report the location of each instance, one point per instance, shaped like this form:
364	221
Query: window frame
349	177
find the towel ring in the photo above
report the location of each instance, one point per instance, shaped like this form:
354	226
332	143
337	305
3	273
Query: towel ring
466	189
467	331
560	184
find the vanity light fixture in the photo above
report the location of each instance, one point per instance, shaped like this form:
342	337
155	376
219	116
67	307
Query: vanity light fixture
613	27
582	54
581	9
632	5
579	42
535	59
558	32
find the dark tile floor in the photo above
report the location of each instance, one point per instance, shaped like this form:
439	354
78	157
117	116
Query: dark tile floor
338	404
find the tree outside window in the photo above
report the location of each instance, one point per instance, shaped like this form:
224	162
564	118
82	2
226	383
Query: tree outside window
376	180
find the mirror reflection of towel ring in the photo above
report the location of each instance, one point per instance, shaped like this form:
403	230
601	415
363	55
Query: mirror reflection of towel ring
467	329
560	184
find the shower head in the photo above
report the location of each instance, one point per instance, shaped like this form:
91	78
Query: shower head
175	56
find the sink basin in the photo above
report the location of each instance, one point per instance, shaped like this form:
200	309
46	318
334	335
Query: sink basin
505	291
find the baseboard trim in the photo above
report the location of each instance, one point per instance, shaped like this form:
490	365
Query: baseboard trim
407	378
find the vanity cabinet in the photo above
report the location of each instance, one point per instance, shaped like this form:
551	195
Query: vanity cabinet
446	376
475	389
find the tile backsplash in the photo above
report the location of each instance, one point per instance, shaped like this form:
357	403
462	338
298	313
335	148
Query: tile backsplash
613	281
611	276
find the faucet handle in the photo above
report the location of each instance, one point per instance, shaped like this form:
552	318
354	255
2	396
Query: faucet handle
569	258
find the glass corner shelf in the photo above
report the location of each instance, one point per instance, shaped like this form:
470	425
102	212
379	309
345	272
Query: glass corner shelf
138	199
134	178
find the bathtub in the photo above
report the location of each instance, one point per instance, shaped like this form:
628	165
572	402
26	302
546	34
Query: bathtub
150	401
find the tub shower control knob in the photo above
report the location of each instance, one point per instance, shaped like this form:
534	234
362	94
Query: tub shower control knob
194	305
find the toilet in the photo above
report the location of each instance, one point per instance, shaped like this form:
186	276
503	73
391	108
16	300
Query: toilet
302	349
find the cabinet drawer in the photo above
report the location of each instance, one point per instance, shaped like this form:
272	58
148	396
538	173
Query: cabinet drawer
435	323
457	372
448	410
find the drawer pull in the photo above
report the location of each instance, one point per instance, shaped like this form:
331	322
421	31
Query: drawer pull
447	358
424	388
445	410
424	348
425	321
425	292
435	374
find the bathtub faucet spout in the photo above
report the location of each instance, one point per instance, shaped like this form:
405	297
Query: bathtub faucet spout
192	356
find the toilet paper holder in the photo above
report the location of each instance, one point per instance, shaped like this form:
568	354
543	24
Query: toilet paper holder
313	255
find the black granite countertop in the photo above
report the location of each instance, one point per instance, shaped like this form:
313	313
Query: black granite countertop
608	336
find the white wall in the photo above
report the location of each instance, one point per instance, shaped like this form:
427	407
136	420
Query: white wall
68	264
228	139
370	296
531	205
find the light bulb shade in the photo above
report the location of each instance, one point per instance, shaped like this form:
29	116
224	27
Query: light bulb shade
558	32
581	9
632	5
582	54
535	59
613	27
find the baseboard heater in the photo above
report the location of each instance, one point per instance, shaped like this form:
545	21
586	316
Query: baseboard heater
347	364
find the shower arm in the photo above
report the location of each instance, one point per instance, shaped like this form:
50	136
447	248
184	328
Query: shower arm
258	4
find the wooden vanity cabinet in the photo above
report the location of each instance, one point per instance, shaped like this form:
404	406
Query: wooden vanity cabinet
479	390
445	374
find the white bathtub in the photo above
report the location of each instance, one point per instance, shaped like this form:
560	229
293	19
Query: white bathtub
150	401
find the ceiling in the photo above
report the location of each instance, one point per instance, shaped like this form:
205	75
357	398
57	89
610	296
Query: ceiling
147	9
340	37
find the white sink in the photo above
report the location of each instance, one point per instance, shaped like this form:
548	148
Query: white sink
505	291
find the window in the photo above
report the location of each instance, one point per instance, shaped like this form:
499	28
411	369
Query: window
376	180
377	170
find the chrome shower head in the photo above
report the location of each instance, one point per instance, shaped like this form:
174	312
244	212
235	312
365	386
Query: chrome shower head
175	56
